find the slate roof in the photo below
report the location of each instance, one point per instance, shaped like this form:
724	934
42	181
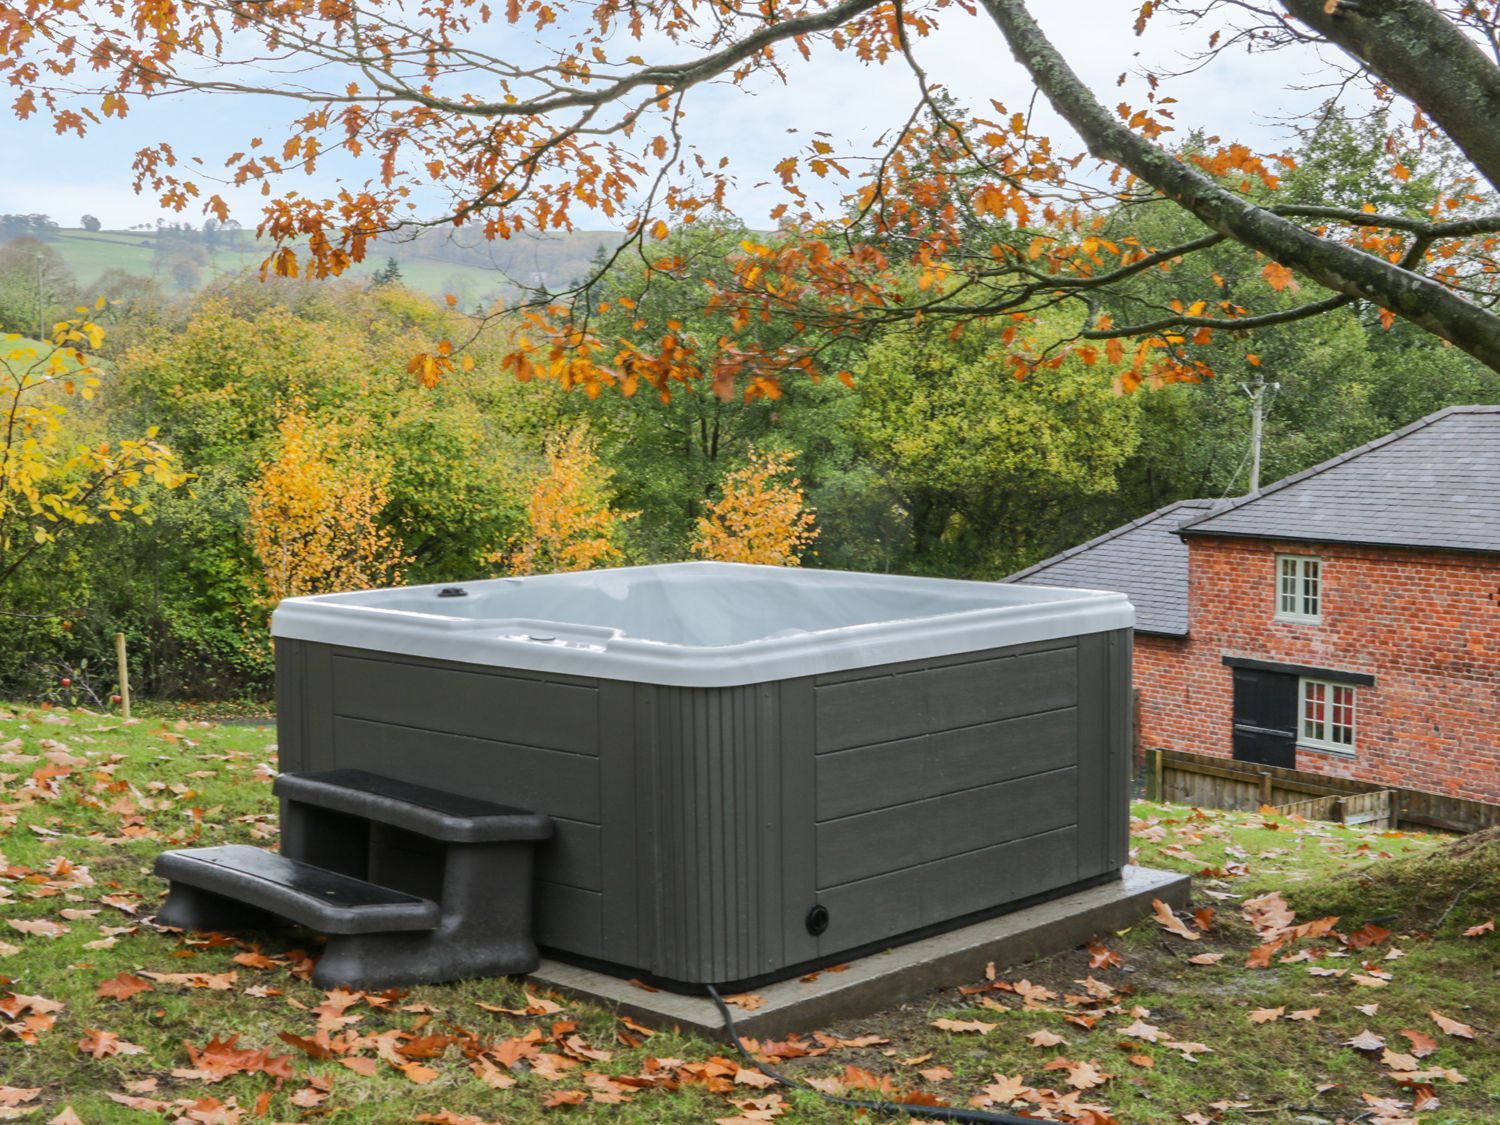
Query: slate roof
1144	560
1434	484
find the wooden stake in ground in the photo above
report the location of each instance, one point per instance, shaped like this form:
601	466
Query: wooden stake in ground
124	675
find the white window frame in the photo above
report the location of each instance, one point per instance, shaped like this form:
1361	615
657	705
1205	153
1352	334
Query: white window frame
1304	570
1328	740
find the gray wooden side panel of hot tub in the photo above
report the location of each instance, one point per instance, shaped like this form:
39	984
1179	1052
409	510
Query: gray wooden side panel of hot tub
303	693
721	829
725	792
518	738
958	785
694	824
1106	720
1121	647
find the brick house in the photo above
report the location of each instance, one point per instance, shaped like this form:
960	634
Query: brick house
1345	620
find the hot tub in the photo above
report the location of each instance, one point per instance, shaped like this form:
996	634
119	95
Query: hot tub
752	770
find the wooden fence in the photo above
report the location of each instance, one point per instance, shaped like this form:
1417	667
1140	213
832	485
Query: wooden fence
1182	777
1369	810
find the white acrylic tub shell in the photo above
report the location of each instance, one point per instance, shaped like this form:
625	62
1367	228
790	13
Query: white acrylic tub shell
699	624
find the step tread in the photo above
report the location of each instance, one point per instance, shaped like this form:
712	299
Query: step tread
434	813
303	892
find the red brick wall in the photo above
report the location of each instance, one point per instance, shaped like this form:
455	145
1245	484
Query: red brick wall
1425	624
1161	672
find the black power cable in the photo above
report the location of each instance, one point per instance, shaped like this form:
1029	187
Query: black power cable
936	1112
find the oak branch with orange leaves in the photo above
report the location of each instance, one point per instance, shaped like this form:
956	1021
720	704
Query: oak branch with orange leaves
433	124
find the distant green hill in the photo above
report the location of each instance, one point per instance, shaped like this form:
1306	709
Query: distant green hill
434	262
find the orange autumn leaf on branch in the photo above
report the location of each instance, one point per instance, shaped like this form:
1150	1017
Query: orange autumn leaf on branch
1278	277
431	118
761	516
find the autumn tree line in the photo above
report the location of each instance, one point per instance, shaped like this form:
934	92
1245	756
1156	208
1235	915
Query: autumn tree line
264	439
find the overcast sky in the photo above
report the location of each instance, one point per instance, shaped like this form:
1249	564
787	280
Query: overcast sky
1239	96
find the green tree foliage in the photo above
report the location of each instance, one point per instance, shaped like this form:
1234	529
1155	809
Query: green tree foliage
388	274
26	226
66	476
1344	378
938	459
53	477
188	589
36	287
674	448
983	463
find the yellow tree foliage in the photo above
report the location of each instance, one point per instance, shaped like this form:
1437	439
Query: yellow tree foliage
315	515
760	516
48	484
571	521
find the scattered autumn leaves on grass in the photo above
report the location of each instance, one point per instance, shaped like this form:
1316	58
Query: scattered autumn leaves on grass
1283	940
1068	1046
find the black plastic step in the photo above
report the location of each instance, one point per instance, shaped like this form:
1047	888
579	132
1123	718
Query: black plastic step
323	900
450	817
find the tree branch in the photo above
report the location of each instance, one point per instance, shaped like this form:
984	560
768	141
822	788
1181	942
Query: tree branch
1454	228
1227	324
1130	269
1416	49
1340	268
669	76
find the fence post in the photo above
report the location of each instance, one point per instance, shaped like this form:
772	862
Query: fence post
1265	787
1153	759
1337	811
124	671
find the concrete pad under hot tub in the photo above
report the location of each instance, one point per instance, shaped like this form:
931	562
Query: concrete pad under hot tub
893	977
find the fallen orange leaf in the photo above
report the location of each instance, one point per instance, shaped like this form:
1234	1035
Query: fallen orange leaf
1452	1027
122	986
963	1025
1170	922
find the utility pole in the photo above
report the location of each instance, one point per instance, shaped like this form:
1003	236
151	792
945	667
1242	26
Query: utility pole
41	320
1258	401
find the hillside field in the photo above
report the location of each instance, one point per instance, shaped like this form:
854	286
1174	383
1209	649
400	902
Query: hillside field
472	270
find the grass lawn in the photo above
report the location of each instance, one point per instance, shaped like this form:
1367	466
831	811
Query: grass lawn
106	1017
21	354
90	255
559	257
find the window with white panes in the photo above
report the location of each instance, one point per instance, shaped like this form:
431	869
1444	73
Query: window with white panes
1299	588
1328	711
